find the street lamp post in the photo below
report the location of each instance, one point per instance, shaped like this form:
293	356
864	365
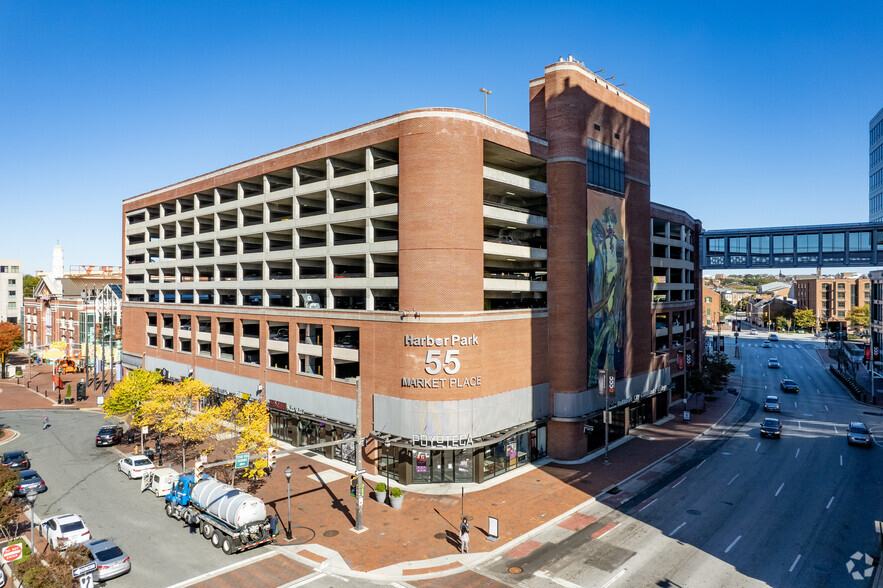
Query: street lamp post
288	483
485	91
32	498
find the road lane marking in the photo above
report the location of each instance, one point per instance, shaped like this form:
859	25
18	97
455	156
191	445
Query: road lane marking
679	482
841	461
826	408
736	540
559	581
603	531
224	570
733	480
829	503
836	433
648	504
798	453
798	425
797	559
678	528
758	447
780	488
700	464
614	578
304	581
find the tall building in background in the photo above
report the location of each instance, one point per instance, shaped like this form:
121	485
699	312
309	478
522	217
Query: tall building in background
10	290
474	276
875	167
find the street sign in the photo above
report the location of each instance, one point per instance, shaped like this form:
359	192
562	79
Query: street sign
241	460
85	569
12	553
145	430
360	472
203	458
87	581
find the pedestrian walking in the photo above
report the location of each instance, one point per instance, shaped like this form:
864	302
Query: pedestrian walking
45	422
464	536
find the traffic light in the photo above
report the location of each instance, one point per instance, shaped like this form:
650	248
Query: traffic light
197	468
271	457
354	483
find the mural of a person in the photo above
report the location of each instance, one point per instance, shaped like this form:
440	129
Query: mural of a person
606	294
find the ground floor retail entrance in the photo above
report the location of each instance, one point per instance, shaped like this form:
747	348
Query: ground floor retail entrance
302	429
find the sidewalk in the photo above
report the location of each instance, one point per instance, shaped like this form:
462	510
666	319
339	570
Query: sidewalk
420	540
37	381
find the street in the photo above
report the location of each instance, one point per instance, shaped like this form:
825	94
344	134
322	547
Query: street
737	510
83	479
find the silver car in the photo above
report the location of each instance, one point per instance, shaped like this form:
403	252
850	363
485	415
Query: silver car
111	560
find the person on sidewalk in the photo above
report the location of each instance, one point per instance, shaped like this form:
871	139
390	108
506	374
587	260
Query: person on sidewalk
45	422
464	536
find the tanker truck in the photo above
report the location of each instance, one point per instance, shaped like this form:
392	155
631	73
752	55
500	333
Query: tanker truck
229	518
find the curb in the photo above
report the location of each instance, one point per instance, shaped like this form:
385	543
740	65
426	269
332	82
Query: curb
15	435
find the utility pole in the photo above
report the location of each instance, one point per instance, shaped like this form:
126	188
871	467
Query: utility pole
358	443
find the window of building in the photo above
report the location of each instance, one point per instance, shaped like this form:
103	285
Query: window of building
11	306
12	282
12	293
833	242
605	166
760	244
807	243
860	241
783	243
738	245
716	246
14	269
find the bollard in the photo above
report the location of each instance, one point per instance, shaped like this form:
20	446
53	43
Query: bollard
45	393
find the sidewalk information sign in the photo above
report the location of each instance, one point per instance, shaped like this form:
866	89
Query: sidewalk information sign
241	460
493	529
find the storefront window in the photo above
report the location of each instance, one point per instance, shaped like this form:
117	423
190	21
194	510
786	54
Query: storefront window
421	467
463	465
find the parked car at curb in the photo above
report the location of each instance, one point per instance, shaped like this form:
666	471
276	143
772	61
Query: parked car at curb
771	428
858	434
16	460
28	480
771	404
111	560
64	531
135	466
110	435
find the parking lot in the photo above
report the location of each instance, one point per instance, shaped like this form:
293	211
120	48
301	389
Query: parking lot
83	479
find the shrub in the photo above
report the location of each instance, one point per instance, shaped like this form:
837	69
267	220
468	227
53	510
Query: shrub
396	492
68	390
381	487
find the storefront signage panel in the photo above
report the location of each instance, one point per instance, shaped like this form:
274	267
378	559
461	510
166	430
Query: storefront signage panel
442	360
442	441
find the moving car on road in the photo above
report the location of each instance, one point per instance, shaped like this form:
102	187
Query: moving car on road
135	466
788	385
111	560
773	337
753	332
858	434
771	404
771	428
64	531
28	480
773	363
17	460
110	435
766	345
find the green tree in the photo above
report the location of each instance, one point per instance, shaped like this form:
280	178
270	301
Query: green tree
29	282
804	319
10	340
859	316
718	369
782	323
726	307
742	305
126	397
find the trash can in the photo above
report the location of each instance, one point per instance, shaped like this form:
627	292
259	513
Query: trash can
81	391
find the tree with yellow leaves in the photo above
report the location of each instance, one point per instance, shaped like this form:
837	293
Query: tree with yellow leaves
251	422
174	409
126	397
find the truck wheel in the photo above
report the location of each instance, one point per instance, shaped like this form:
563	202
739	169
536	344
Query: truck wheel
216	539
170	512
206	529
227	545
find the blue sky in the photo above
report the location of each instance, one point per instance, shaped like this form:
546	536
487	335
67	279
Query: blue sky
759	110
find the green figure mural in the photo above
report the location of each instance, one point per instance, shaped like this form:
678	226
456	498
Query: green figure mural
606	292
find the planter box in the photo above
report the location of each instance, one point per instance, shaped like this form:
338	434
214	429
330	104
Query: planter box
380	497
396	502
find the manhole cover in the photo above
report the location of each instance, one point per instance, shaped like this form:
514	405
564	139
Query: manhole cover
515	570
614	490
331	533
439	535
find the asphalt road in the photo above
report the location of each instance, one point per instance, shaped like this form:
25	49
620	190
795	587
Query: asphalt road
740	510
83	479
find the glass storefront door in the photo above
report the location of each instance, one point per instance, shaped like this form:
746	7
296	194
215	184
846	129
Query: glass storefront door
442	466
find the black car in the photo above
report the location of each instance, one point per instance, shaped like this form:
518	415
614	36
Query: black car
28	480
17	460
773	337
789	385
109	436
771	428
